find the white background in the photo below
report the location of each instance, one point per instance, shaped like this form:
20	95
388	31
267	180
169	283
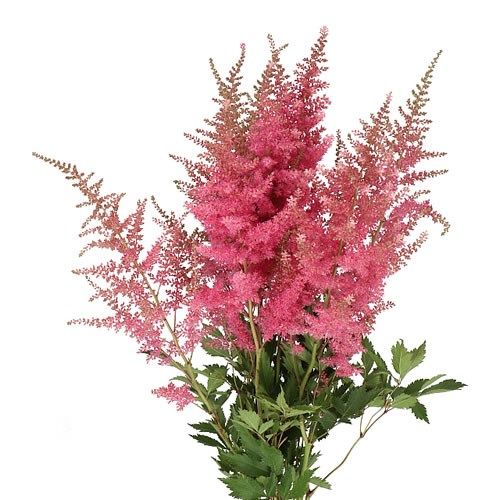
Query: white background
111	86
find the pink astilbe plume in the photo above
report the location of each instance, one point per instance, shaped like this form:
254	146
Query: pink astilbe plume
180	395
297	246
143	289
286	245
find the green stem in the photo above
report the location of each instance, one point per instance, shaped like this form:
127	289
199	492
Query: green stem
307	446
258	349
187	368
309	370
351	449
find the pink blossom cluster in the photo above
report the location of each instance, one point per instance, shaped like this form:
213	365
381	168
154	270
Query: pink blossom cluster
297	246
143	288
181	395
286	245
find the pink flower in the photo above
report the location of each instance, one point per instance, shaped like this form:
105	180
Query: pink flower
180	395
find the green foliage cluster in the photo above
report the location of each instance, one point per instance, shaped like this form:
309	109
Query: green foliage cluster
265	428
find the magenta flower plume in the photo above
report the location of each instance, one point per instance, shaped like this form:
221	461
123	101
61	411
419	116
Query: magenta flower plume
286	245
294	245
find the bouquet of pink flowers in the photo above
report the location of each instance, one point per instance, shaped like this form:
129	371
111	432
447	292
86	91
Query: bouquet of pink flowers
280	278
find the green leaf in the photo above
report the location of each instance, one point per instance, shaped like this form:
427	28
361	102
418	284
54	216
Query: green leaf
417	385
285	484
248	442
206	440
300	410
377	378
358	399
266	426
430	381
272	457
244	488
378	402
251	419
270	485
367	361
417	355
404	401
327	420
373	355
182	378
204	427
266	373
289	424
214	382
301	485
444	386
400	358
403	360
223	398
420	411
281	401
242	463
215	351
320	482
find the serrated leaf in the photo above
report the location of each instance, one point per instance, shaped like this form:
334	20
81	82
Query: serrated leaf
204	427
404	401
367	361
222	398
248	442
420	411
206	440
272	457
297	411
444	386
285	484
378	402
403	360
320	482
373	355
270	485
214	382
182	378
281	401
269	405
251	419
301	485
327	420
243	463
289	424
244	488
417	356
417	385
358	399
430	381
266	426
400	358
